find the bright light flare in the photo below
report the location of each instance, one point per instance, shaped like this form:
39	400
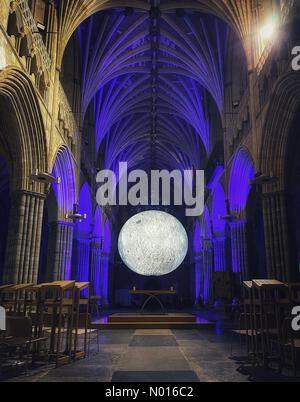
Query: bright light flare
269	30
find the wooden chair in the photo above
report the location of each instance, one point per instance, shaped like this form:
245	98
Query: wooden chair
266	296
19	339
3	349
82	325
95	305
246	332
290	347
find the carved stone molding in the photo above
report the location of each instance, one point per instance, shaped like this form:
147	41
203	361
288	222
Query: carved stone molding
29	43
67	123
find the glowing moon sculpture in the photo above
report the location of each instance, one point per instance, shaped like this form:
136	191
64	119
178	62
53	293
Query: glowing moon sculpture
153	243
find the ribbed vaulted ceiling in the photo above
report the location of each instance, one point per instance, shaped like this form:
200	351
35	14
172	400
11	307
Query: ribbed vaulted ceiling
153	77
237	13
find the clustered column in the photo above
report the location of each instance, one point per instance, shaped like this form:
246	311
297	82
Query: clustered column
95	268
239	249
276	238
60	251
208	270
220	254
104	267
24	238
198	277
81	259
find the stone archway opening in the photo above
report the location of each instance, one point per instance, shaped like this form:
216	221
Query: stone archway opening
49	216
22	141
57	232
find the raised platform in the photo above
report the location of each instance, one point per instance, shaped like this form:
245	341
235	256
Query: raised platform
153	321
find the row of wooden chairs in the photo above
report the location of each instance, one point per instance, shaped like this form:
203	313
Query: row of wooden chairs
265	321
17	344
50	317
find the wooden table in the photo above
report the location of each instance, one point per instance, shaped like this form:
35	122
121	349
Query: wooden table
153	295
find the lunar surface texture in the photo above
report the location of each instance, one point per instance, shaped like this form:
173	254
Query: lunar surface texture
153	243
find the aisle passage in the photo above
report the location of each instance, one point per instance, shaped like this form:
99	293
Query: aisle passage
153	355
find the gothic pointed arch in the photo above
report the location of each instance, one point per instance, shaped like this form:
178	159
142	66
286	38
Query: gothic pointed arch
23	135
65	191
219	210
242	172
278	157
283	107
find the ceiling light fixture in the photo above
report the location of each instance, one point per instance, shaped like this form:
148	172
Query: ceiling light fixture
43	177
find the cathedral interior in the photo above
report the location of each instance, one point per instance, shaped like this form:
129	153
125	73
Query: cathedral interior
164	85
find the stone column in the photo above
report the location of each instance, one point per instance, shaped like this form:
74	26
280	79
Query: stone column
198	277
59	251
24	238
276	236
104	276
239	249
95	268
220	254
208	271
81	259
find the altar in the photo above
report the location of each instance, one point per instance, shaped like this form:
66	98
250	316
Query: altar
153	295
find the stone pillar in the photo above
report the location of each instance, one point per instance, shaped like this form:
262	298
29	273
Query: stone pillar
220	254
276	236
198	277
59	251
239	249
104	276
81	259
208	271
24	238
95	268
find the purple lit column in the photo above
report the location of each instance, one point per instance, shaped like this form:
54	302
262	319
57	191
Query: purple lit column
208	271
95	268
198	259
60	251
81	259
198	278
239	249
220	254
104	267
105	259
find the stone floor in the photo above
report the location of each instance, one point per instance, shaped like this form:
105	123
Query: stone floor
158	355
